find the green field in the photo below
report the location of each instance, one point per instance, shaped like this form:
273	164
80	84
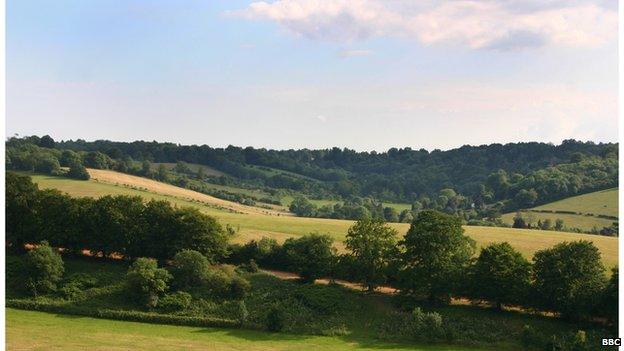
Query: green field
587	206
253	226
28	330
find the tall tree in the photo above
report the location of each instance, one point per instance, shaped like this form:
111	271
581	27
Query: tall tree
436	255
569	278
500	275
372	244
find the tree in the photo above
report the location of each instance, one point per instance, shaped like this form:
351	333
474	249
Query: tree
20	201
46	141
197	231
44	269
372	245
162	174
569	278
436	254
146	282
390	214
526	198
310	255
609	302
97	160
559	224
189	269
518	221
501	275
302	207
78	171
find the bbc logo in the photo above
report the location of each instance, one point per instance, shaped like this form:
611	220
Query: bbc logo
612	342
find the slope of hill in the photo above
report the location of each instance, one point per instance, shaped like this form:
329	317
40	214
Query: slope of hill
253	223
116	178
585	212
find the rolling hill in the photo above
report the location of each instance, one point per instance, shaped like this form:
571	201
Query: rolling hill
593	210
253	223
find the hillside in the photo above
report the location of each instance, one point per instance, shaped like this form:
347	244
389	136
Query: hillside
586	212
253	223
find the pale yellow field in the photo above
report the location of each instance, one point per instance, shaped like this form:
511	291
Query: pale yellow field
111	177
254	224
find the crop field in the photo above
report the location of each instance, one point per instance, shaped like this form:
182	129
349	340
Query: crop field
587	206
256	224
29	330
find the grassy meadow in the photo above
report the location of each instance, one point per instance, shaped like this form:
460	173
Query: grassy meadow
587	208
29	330
260	222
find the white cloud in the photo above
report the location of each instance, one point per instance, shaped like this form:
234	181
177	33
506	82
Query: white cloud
503	24
355	53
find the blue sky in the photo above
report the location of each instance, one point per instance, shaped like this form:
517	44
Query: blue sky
363	74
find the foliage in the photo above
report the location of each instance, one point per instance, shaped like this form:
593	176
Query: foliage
275	319
146	282
44	269
500	275
239	288
569	278
123	225
177	301
189	268
310	255
436	254
372	245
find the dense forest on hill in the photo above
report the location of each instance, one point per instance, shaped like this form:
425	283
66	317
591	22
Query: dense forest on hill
472	181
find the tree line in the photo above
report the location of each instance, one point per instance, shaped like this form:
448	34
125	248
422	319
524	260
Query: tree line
436	261
475	183
110	225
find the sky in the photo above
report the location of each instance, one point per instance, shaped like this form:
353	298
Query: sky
362	74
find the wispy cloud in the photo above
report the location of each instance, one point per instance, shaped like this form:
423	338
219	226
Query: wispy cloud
477	24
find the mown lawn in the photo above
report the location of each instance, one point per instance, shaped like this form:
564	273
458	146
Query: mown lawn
256	225
29	330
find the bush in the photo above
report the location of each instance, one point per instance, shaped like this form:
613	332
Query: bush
74	286
239	288
241	313
251	267
218	283
146	282
427	325
189	268
275	319
177	301
44	269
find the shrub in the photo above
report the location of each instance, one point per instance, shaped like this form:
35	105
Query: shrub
241	313
218	283
239	288
427	325
44	269
251	267
275	319
189	268
146	282
74	285
177	301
